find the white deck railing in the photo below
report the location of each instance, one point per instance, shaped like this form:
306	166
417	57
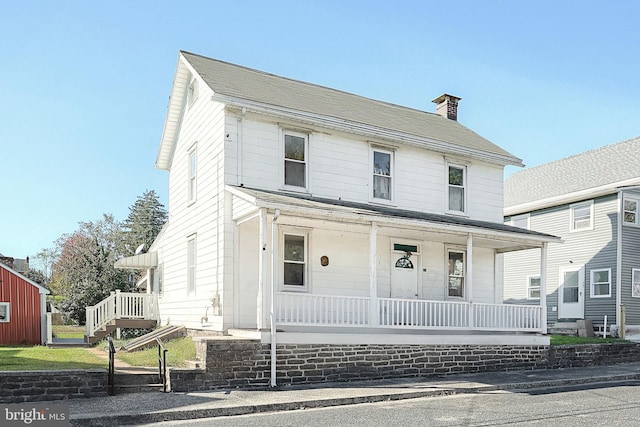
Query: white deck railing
305	309
121	305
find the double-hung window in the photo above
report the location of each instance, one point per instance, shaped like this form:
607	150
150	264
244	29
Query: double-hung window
191	264
382	174
295	160
295	276
601	283
457	185
635	282
630	211
192	175
455	281
5	311
581	216
533	287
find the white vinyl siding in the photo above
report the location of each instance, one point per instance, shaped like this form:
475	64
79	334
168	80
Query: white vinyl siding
601	283
581	215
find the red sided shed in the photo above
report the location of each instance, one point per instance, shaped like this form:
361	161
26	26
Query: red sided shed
23	312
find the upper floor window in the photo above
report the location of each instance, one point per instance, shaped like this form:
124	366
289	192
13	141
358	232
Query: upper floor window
457	183
192	176
4	311
295	275
601	283
382	174
533	287
191	264
630	211
520	221
295	160
581	216
456	274
192	91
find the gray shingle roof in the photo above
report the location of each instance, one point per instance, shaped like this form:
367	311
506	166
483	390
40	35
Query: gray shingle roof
257	86
603	166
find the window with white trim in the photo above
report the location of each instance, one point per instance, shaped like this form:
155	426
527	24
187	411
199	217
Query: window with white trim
635	282
601	283
295	160
520	221
5	311
191	264
630	211
581	216
533	287
456	178
295	268
382	174
455	282
191	192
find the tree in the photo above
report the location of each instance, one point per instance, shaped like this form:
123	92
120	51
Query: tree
84	273
38	277
145	220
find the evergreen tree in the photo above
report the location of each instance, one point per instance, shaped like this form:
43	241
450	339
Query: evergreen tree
145	220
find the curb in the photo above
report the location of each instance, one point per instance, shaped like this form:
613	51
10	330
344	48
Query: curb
156	417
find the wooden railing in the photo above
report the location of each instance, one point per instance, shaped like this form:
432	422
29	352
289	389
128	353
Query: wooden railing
121	305
321	310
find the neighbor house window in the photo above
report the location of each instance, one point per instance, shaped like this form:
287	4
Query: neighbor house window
4	311
191	264
457	182
192	175
601	283
581	216
533	287
520	221
382	174
295	275
630	211
295	160
635	282
456	274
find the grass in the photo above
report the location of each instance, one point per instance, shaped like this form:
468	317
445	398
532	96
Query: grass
179	350
572	340
38	358
68	331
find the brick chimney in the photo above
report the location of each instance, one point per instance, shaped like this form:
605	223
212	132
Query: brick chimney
447	106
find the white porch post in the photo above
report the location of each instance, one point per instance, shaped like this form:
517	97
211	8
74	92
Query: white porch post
261	300
274	259
469	279
543	287
373	276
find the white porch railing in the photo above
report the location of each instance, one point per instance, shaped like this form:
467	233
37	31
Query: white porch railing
121	305
304	309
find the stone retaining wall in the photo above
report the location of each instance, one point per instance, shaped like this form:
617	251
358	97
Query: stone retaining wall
35	386
246	363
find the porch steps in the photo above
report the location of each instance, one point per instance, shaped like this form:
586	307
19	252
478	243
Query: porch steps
137	380
164	333
564	328
119	323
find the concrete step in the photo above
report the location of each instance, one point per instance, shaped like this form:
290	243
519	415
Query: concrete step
251	334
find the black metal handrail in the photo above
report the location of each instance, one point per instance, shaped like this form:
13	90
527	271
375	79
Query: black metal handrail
111	389
162	364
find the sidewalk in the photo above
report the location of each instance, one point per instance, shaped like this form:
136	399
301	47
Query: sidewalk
137	408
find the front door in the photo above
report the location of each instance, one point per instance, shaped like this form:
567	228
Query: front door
571	293
404	271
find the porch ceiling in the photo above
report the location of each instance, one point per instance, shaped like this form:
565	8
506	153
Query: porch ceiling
397	222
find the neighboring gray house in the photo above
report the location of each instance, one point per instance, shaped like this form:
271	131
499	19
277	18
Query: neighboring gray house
591	201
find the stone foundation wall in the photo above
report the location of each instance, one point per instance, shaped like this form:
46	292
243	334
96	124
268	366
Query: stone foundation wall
35	386
566	356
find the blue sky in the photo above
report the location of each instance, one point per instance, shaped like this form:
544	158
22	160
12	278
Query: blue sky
84	85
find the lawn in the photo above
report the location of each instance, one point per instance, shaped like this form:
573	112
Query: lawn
179	350
68	331
569	339
43	358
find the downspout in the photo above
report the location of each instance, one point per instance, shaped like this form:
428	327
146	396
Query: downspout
543	287
469	280
619	261
274	236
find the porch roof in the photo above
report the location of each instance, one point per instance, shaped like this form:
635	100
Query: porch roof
511	238
138	262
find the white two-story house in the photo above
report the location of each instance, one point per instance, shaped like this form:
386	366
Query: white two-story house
326	216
